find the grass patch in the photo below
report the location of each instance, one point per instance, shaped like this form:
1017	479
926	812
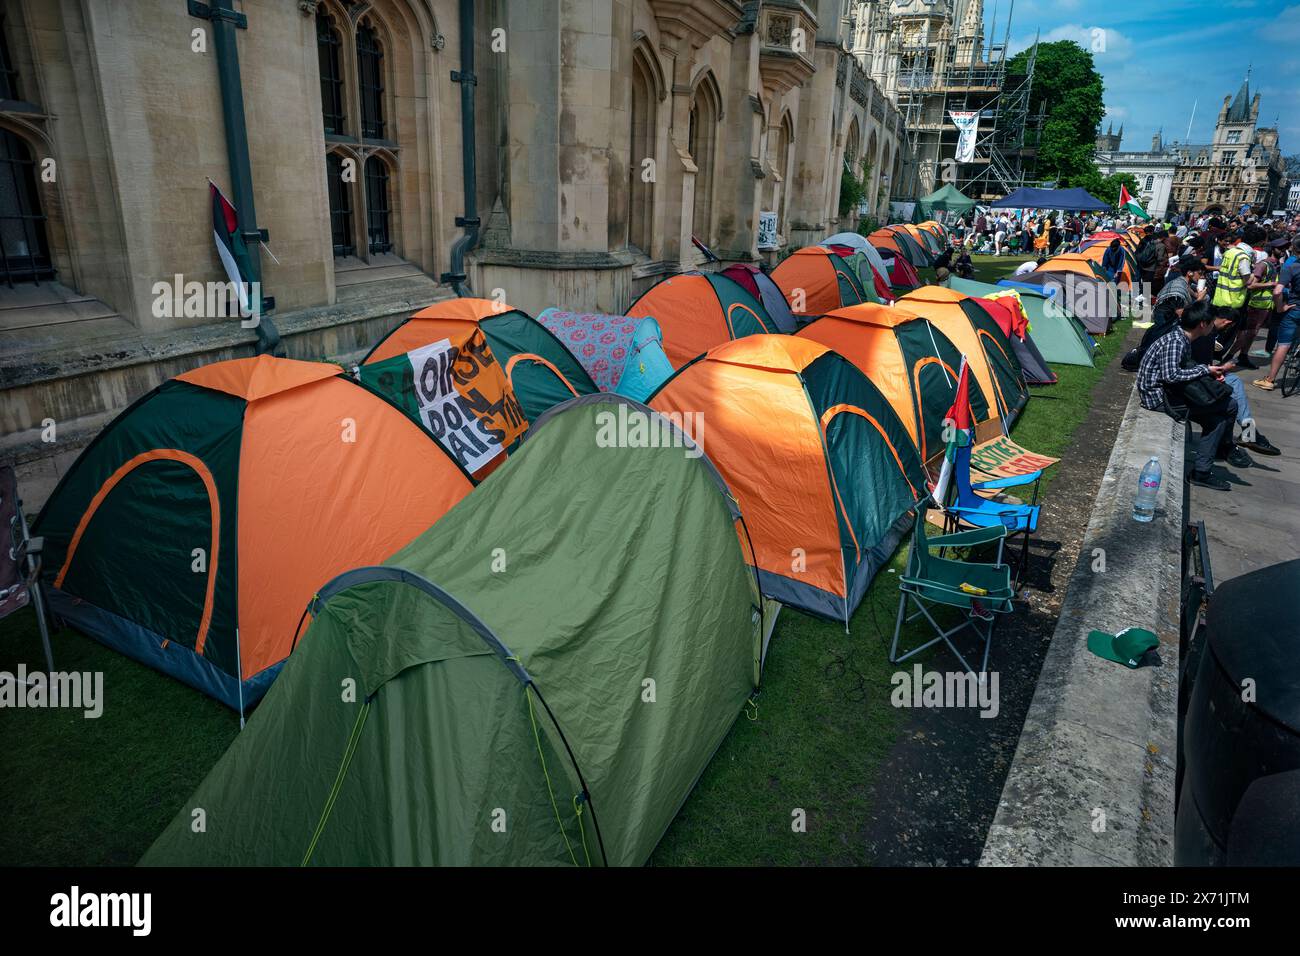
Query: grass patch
86	792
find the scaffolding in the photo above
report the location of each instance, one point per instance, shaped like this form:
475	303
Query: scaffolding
1007	132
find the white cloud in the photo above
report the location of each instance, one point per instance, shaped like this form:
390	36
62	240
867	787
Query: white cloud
1106	45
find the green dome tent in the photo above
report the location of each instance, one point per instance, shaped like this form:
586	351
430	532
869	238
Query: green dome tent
947	199
540	678
1059	336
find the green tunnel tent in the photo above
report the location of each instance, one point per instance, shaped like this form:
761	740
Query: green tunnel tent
500	663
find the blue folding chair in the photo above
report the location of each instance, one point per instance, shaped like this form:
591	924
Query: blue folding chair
970	508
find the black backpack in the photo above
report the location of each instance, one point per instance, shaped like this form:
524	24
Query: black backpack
1149	254
1164	322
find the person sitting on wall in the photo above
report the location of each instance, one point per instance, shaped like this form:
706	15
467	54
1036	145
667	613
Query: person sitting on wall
1203	351
1167	382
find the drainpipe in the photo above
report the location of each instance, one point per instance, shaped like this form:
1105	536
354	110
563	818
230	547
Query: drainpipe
470	221
225	21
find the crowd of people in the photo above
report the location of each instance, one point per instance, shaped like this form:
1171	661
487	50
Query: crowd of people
1013	233
1211	284
1215	284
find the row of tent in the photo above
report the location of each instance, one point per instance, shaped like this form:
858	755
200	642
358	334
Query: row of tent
290	506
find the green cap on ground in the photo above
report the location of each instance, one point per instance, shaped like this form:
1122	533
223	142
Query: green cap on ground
1127	647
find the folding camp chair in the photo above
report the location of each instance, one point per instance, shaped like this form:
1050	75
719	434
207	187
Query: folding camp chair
981	590
20	564
978	512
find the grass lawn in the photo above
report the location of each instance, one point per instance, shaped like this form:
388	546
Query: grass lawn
84	792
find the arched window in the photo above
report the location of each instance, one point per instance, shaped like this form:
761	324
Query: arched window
378	214
370	80
328	43
640	192
8	72
851	146
340	196
702	139
786	147
24	250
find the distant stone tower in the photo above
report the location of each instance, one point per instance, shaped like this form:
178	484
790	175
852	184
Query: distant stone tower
1235	127
969	20
1108	142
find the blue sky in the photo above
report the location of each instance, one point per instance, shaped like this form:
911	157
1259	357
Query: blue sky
1160	58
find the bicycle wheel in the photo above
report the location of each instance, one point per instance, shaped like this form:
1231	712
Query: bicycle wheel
1289	379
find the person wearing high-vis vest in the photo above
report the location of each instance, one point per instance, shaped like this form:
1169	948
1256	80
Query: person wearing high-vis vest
1234	269
1259	302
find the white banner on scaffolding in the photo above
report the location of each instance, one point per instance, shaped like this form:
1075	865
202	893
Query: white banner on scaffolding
967	123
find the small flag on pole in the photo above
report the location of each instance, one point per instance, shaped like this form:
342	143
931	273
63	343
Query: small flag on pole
232	249
958	433
708	253
1130	205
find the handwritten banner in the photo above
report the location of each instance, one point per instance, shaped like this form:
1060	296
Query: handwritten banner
1003	458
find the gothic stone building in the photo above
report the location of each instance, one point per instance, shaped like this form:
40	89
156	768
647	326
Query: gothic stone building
607	135
1242	166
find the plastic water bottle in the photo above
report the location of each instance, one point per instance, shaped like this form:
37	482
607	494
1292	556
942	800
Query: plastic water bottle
1144	505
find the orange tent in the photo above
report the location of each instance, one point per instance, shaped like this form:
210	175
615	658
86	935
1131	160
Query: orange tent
928	241
1096	253
497	367
824	472
698	310
1074	262
988	351
816	280
912	363
886	238
193	531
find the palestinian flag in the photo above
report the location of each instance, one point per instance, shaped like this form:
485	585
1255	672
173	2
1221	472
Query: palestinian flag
231	248
958	427
1130	205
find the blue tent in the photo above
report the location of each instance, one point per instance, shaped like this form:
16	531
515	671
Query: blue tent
1075	200
621	354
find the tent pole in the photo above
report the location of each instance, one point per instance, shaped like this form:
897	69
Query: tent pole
239	677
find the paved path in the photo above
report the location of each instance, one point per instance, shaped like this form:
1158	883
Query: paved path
1257	523
1092	781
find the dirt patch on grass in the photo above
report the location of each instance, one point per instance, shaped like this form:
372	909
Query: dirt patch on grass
934	798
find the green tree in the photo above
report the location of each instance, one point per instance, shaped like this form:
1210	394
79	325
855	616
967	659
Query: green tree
853	189
1068	90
